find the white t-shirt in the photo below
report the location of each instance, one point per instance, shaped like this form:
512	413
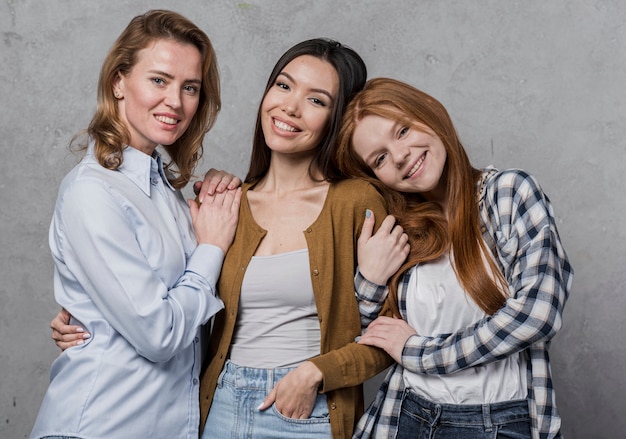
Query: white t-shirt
437	304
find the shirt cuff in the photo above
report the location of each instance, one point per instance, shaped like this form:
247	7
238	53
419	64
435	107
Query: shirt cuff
369	291
206	261
412	354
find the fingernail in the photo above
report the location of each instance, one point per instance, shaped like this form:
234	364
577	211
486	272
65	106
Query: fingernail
79	342
79	329
259	407
86	336
368	213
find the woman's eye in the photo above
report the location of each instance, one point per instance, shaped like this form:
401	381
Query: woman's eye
379	160
403	131
191	89
158	81
317	101
282	85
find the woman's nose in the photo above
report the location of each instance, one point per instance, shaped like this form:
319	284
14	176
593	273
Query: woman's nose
290	105
400	155
172	97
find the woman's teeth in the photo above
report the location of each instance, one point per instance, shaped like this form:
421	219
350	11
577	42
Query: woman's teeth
166	119
284	126
416	166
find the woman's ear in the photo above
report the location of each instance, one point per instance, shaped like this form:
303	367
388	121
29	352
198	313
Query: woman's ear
118	86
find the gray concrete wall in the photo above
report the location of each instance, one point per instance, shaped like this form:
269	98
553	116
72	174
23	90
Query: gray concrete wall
533	84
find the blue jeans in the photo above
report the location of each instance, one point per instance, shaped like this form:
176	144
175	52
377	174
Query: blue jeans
423	419
240	390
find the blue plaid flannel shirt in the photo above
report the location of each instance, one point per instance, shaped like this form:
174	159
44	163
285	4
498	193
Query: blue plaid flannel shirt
518	224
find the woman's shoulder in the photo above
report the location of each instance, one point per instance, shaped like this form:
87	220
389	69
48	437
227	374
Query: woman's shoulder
89	184
356	194
86	175
507	182
354	189
514	193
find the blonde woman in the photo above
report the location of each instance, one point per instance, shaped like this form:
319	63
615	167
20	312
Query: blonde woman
129	266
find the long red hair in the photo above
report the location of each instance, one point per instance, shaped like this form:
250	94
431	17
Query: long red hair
431	233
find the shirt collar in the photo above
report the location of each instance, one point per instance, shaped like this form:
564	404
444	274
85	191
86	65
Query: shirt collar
161	169
140	168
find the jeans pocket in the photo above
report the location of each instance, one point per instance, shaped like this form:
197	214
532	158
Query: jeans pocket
220	377
319	414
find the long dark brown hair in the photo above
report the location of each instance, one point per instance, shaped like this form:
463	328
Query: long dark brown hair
431	233
352	75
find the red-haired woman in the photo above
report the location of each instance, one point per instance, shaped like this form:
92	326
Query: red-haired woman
482	291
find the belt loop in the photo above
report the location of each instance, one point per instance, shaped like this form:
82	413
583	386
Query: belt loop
437	416
270	380
487	418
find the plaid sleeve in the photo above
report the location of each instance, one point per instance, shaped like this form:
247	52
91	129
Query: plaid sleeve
370	297
519	217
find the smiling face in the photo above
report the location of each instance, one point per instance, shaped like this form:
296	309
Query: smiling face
297	107
158	99
405	158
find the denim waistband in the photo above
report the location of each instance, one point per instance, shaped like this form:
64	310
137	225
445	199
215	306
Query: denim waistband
468	414
252	378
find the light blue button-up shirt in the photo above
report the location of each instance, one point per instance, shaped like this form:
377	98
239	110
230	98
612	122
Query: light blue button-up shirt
129	270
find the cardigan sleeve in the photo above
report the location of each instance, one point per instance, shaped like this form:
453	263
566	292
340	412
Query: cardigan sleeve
539	275
348	363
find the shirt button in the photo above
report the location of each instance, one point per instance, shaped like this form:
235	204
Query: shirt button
309	230
154	181
333	406
315	272
195	381
483	229
196	340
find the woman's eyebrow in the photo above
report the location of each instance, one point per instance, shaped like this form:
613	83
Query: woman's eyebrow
170	76
315	90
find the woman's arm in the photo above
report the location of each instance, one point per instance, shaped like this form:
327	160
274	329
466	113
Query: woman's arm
371	298
101	258
66	335
352	364
380	255
539	277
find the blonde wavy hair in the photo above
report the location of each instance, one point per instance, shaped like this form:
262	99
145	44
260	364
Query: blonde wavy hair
107	129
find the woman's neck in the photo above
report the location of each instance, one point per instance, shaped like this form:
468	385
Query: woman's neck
288	175
439	194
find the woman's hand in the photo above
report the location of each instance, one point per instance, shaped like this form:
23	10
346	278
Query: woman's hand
295	394
215	182
389	334
382	254
66	335
215	220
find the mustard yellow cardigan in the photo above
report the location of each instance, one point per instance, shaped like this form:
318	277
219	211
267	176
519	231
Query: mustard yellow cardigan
331	241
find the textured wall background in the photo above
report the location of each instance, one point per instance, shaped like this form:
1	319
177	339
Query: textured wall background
531	84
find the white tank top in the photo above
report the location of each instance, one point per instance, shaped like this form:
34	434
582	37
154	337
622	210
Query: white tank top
437	304
277	324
